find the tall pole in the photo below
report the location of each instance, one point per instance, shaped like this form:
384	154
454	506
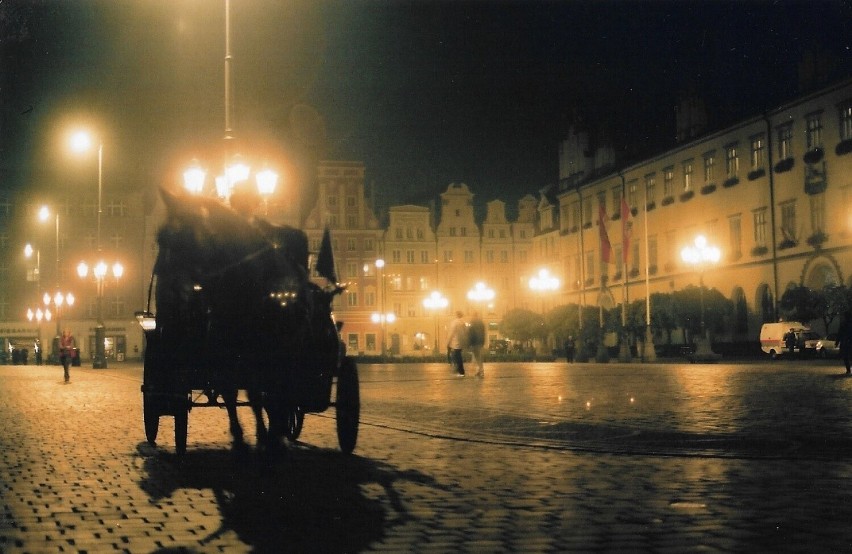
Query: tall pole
99	361
228	58
650	353
58	331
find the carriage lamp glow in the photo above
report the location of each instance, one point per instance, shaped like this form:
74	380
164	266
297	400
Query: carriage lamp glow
146	320
195	176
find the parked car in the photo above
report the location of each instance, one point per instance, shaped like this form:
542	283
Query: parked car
811	342
827	347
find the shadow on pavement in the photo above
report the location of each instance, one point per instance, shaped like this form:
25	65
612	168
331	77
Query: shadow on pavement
310	500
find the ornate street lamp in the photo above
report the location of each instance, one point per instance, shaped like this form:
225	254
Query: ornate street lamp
700	256
543	283
435	302
99	271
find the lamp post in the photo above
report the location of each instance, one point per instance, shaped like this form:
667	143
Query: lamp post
99	272
195	177
38	314
380	266
58	300
543	282
383	319
81	142
435	302
700	255
481	294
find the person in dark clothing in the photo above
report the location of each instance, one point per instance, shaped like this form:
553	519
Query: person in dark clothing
790	341
476	340
569	349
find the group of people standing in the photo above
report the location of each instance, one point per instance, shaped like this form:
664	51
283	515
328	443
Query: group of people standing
466	335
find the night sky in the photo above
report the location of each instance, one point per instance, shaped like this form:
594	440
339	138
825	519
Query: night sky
424	93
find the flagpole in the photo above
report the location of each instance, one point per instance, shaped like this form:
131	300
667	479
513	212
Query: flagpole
649	353
624	349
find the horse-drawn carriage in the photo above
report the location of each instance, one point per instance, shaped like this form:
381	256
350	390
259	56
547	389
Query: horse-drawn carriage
237	312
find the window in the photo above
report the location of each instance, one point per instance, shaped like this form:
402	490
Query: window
409	256
616	200
468	256
116	208
652	251
370	298
116	306
351	221
687	176
587	214
115	239
351	270
602	201
491	233
650	187
709	167
489	256
370	342
332	201
420	234
631	194
634	258
409	233
757	151
523	233
352	299
464	231
732	160
350	201
814	131
760	227
448	255
452	231
785	141
504	256
574	215
368	245
845	124
398	233
396	256
788	220
352	342
411	310
818	213
590	266
424	256
351	244
668	181
502	233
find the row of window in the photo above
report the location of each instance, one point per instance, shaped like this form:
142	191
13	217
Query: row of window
785	135
111	208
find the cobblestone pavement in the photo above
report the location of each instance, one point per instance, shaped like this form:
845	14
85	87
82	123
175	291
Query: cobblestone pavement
534	458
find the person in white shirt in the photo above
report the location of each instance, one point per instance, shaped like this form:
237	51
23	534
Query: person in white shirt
456	342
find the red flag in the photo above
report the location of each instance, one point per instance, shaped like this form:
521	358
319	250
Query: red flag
606	247
626	230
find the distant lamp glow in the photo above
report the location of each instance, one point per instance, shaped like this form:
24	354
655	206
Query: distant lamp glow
28	250
44	213
223	187
80	142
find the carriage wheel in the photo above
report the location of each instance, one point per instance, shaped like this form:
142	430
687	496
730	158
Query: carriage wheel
151	417
181	424
295	420
348	404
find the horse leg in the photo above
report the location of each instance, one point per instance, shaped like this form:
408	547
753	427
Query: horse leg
256	402
230	399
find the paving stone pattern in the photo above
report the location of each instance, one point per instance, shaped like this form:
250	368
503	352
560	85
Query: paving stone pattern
534	458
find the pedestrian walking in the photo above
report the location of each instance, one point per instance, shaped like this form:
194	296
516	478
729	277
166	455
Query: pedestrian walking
456	342
844	341
790	341
475	341
67	351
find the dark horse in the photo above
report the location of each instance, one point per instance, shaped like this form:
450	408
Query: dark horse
236	310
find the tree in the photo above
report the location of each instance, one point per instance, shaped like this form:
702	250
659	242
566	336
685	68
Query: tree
837	300
802	304
522	325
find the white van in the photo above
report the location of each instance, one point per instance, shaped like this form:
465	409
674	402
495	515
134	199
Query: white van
772	336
